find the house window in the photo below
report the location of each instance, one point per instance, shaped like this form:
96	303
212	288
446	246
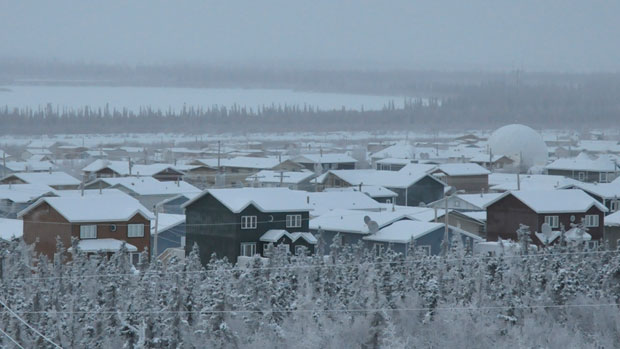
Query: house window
248	249
88	231
424	249
553	221
378	249
613	207
602	177
293	221
248	222
591	220
136	258
267	247
457	203
593	245
135	230
581	176
388	201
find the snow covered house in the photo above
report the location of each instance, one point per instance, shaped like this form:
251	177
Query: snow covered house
296	180
557	208
101	223
326	161
16	197
25	166
148	190
602	169
237	222
466	202
412	188
606	193
111	169
55	180
469	177
376	192
170	232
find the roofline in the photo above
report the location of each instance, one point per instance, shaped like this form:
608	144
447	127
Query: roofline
44	199
251	202
509	192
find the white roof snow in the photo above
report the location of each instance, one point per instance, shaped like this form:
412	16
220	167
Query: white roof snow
46	178
389	179
374	191
350	221
25	166
404	231
323	159
479	200
122	167
463	169
504	182
11	229
613	220
554	201
583	162
265	199
93	208
602	190
150	186
104	245
288	177
166	221
323	201
274	235
243	162
21	193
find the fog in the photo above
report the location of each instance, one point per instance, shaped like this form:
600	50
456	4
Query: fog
499	35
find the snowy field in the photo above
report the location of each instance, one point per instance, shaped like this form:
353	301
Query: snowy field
172	98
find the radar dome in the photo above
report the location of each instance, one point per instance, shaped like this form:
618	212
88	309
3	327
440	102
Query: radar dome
520	143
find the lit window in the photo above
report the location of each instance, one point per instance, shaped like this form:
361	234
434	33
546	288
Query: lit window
248	222
248	249
135	230
88	231
293	221
591	220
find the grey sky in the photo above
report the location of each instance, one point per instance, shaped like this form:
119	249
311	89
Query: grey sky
563	35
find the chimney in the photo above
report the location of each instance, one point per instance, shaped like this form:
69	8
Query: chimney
518	182
129	163
308	199
100	188
360	186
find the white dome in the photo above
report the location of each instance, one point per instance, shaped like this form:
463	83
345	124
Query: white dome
521	143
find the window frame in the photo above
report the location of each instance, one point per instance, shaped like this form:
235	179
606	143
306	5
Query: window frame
554	221
378	247
603	175
594	224
614	205
249	222
425	249
581	176
83	232
251	245
133	235
293	220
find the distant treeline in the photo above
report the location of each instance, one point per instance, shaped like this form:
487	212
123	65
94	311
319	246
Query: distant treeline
457	101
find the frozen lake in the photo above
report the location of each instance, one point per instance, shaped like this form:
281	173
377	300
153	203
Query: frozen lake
174	98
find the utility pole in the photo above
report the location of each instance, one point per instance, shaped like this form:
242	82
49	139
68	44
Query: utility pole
282	176
156	234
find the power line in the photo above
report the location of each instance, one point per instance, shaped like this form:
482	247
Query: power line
359	265
12	340
358	310
28	325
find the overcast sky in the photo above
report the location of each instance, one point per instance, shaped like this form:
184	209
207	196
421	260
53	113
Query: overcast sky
563	35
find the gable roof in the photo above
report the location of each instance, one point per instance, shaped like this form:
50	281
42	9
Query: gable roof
242	162
350	221
463	169
288	177
554	201
150	186
583	162
389	179
323	158
104	208
374	191
602	190
22	193
45	178
122	167
264	199
24	166
404	231
479	200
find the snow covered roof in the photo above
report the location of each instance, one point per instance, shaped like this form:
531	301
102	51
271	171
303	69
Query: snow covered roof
265	199
104	245
288	177
93	208
613	220
350	221
374	191
166	221
508	181
602	190
583	162
477	215
479	200
554	201
274	235
243	162
320	202
395	161
463	169
577	234
149	186
24	166
389	179
323	159
484	158
22	193
91	192
418	167
45	178
122	167
11	229
404	231
401	150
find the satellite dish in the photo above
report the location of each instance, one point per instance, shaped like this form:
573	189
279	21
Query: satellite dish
270	218
546	230
373	227
572	218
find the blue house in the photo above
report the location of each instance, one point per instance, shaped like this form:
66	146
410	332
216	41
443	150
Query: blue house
170	232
